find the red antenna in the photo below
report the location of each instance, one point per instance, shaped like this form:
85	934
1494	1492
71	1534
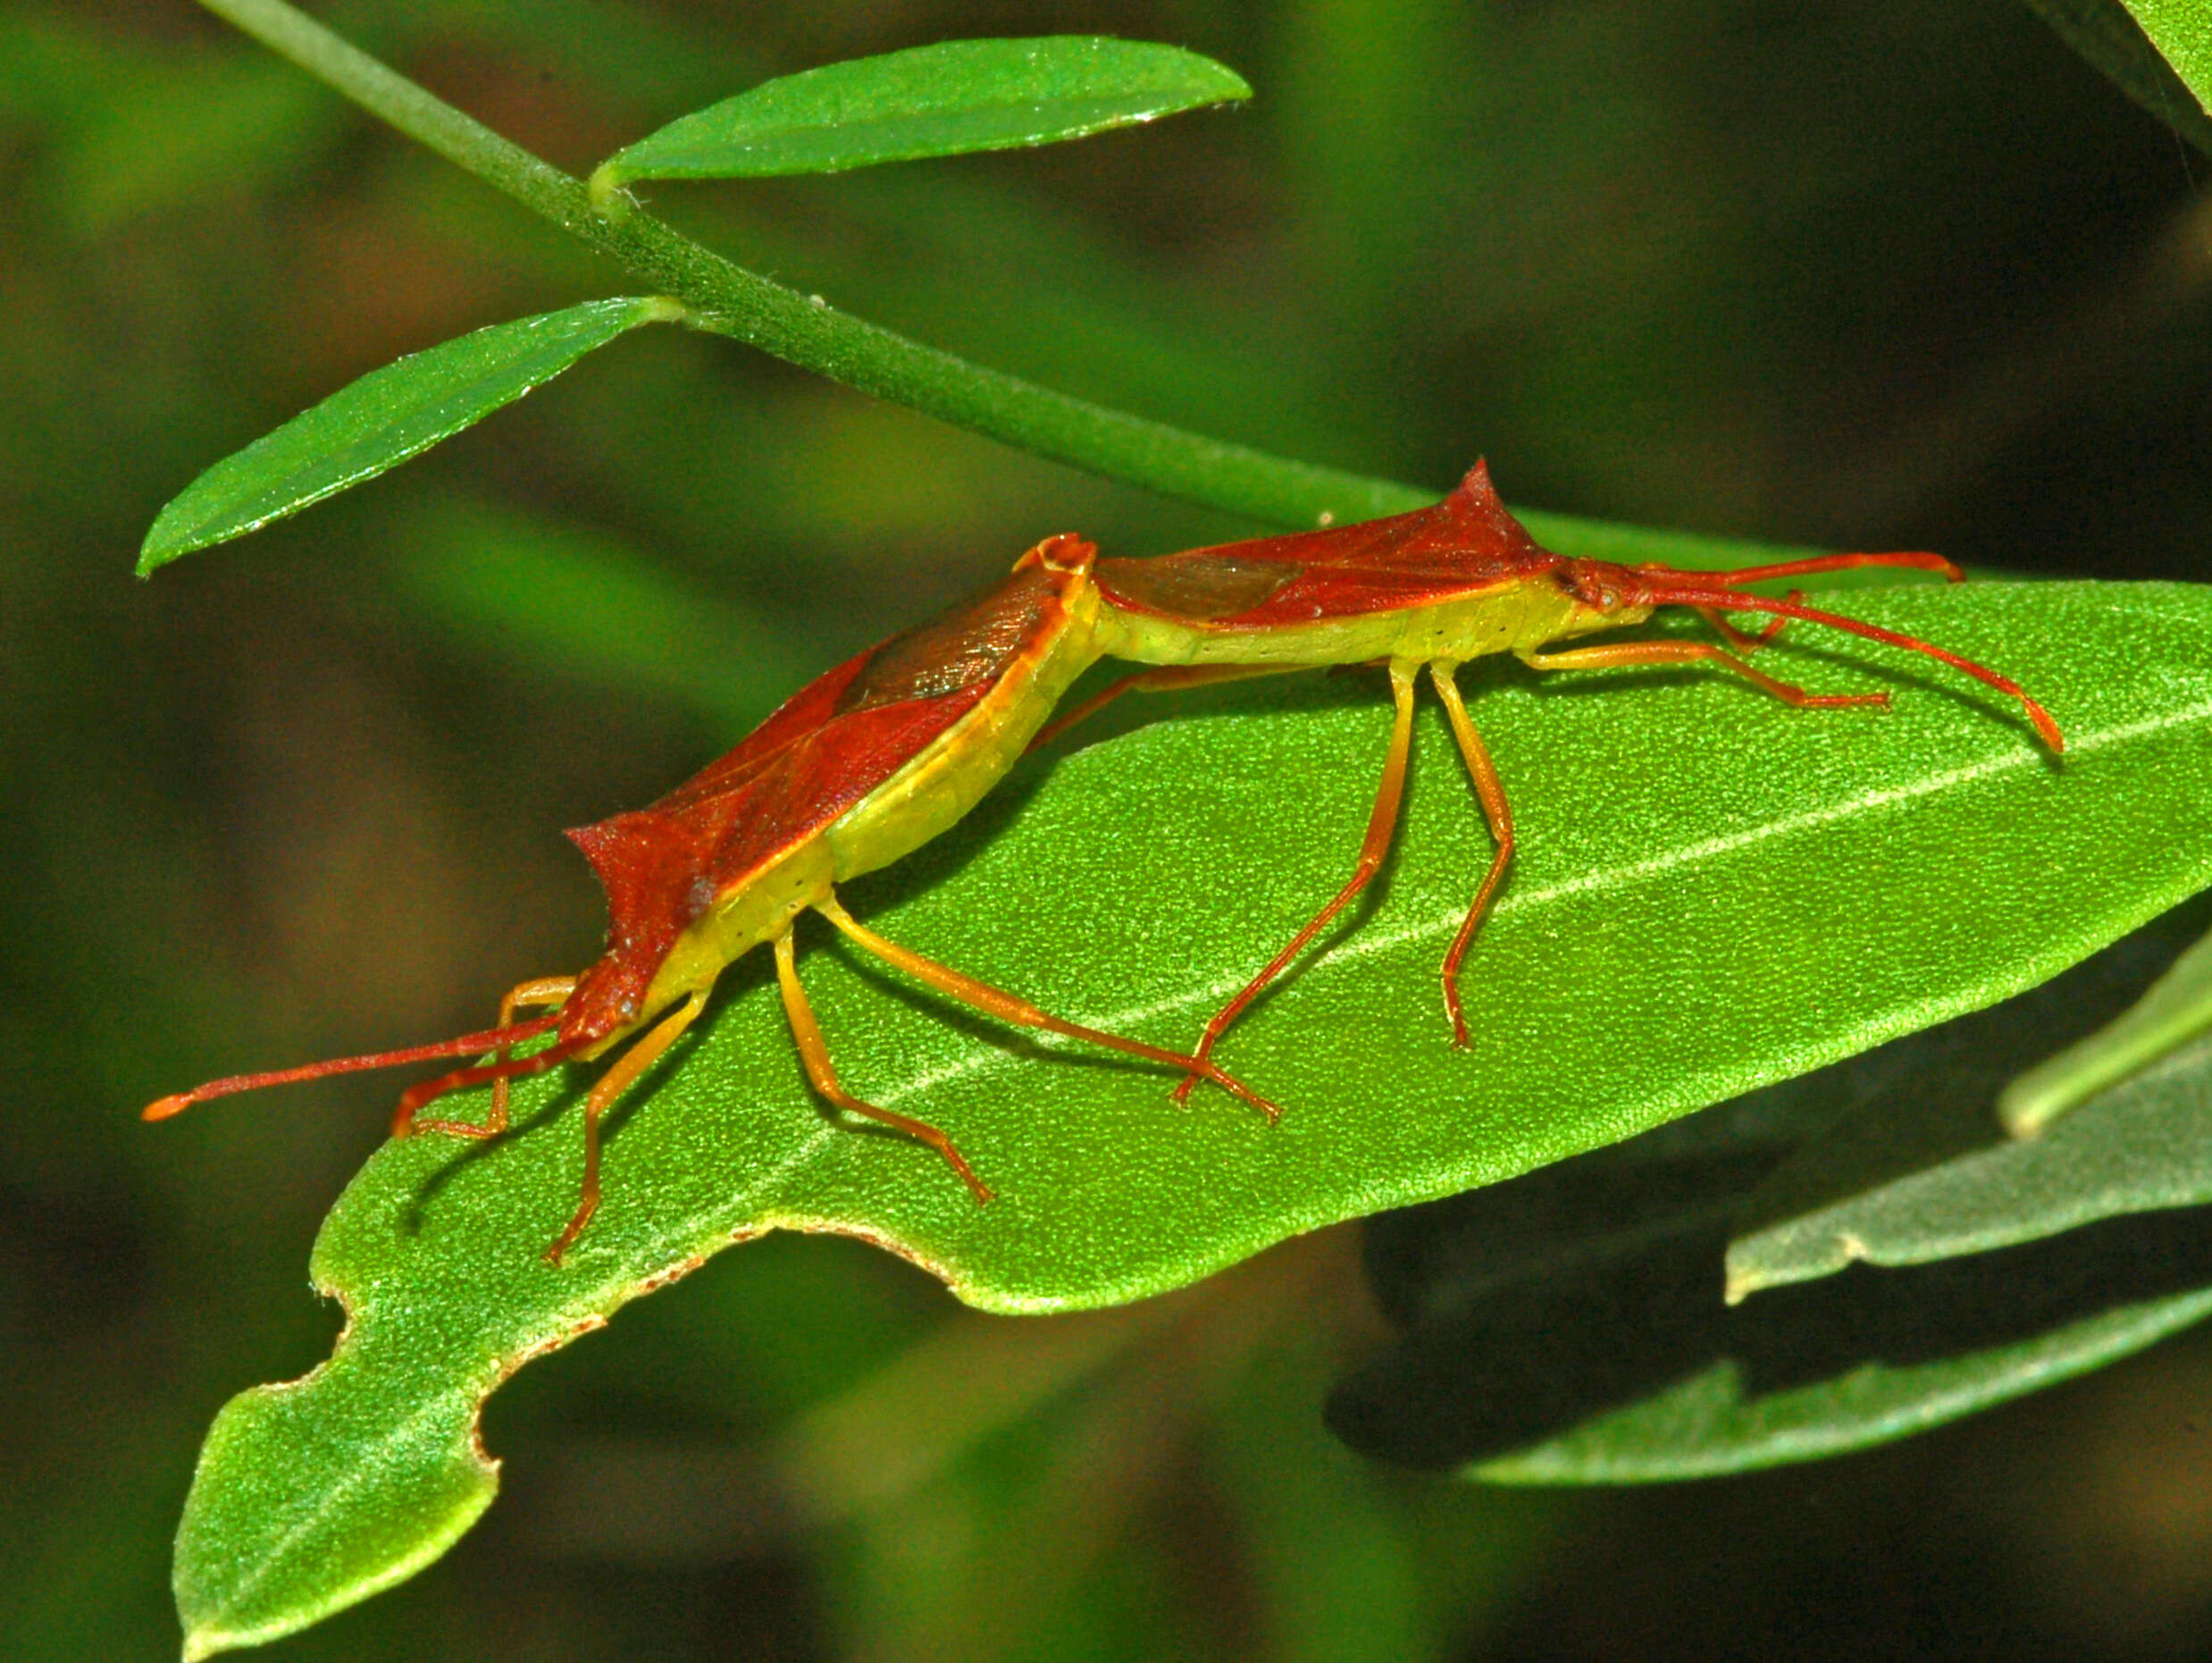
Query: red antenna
1690	589
467	1044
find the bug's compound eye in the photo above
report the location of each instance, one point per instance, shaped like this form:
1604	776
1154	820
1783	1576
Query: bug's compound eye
1594	587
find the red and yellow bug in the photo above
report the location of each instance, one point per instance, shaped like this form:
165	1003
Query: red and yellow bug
873	759
1433	588
860	766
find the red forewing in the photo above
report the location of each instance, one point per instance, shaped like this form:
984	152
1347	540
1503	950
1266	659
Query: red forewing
819	755
1461	546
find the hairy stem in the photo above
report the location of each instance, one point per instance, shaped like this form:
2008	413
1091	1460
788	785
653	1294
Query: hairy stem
726	298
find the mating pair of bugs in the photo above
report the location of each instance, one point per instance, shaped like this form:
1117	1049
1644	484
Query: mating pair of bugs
871	760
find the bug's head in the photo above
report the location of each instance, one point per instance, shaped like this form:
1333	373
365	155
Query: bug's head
1617	593
607	999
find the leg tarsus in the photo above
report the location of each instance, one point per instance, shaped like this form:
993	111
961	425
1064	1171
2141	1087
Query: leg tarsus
1497	811
814	1053
617	1079
1381	824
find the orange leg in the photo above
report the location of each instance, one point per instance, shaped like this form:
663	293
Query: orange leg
996	1003
1627	654
1746	640
1172	679
544	991
1380	825
1491	790
611	1085
815	1054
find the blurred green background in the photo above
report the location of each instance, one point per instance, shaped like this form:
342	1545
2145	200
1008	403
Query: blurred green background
1868	273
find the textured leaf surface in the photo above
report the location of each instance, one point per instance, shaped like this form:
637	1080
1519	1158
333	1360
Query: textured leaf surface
379	421
947	99
1714	892
1600	1353
2182	30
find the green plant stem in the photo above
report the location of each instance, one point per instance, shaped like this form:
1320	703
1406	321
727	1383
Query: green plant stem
723	296
728	300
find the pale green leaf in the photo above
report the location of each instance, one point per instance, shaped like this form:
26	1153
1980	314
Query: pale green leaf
1921	1170
2142	1145
2176	1010
1568	1327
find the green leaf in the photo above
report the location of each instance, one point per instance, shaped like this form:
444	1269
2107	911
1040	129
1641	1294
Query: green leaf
1713	892
1634	1371
379	421
2176	1010
2182	30
948	99
2139	48
1728	1418
1923	1170
1566	1327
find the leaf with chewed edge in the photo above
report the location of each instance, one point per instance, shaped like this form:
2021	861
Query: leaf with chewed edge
1713	892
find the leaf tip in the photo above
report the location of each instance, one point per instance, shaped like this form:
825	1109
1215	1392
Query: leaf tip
202	1643
2025	1107
164	541
1234	88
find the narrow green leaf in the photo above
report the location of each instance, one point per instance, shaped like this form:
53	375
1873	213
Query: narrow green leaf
1754	1408
2139	48
382	419
1713	893
2176	1010
948	99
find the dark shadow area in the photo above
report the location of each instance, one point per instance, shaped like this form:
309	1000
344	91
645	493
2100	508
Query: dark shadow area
1537	1303
1534	1359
